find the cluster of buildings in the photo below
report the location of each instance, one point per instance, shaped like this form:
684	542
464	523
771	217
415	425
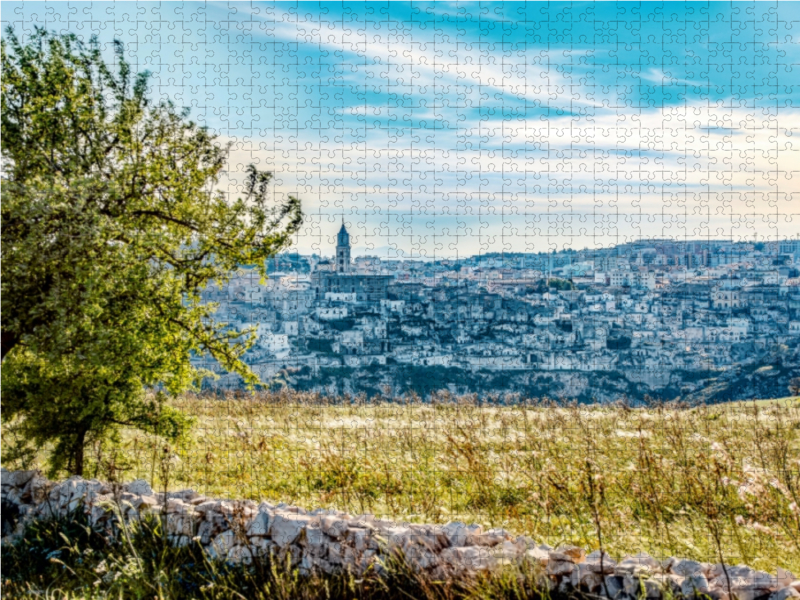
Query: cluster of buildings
647	309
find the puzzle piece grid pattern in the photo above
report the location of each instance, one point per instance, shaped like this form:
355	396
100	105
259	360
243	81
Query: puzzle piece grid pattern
449	130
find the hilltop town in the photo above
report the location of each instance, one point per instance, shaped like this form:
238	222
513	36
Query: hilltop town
659	318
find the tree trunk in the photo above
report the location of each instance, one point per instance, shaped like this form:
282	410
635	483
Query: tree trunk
77	453
7	341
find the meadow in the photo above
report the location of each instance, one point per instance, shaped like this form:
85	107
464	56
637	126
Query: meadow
711	482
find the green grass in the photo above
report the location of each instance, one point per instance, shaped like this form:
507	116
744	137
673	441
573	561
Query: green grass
708	482
787	401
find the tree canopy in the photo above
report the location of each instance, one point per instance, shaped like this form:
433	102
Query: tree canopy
112	225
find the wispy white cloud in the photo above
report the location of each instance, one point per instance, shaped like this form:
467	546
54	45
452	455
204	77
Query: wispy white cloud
432	173
660	77
677	169
399	59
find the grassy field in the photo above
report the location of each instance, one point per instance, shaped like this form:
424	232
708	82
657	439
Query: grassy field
706	482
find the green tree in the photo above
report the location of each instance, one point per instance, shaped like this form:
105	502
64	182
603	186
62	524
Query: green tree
111	227
560	284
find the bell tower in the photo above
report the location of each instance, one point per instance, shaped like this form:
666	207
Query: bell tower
343	250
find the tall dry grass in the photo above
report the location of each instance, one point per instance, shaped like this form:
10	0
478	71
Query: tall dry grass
713	483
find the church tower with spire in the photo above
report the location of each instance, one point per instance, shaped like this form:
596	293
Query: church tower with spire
343	251
342	279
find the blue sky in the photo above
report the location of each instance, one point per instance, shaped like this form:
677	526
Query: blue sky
443	129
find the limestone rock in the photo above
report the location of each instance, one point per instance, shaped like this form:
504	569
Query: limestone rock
473	558
12	495
568	553
458	533
329	541
264	546
17	479
745	593
180	524
222	544
240	554
430	537
395	536
525	541
600	562
434	535
537	555
695	583
631	564
285	527
259	524
583	577
140	487
128	500
98	515
334	526
744	581
359	538
490	538
638	587
291	509
177	505
559	567
291	554
613	586
185	495
686	568
670	583
335	554
35	490
419	553
652	588
244	511
315	540
206	532
220	507
365	520
369	558
315	564
787	593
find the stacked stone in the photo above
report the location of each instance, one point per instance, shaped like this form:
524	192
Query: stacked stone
326	541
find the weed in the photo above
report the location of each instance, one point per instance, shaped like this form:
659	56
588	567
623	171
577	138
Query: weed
707	483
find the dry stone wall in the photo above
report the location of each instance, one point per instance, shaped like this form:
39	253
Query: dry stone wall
328	541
